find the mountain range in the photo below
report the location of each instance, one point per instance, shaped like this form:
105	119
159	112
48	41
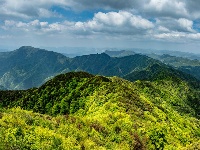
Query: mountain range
184	64
29	67
190	66
182	54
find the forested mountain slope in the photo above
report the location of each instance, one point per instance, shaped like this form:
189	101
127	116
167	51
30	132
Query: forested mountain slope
28	67
83	111
193	70
160	71
186	65
175	61
105	65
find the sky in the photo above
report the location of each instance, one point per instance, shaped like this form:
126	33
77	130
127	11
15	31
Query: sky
148	24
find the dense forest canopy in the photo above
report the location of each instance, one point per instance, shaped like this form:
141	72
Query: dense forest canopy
78	110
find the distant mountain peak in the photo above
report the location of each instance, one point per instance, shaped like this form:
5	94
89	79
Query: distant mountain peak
26	47
29	49
98	54
121	53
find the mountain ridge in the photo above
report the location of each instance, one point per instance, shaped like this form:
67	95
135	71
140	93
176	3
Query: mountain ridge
182	62
29	67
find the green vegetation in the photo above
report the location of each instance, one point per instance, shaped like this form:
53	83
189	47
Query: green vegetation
78	110
193	70
186	65
162	72
185	62
176	61
29	67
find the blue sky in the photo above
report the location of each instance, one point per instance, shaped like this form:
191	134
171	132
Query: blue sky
149	24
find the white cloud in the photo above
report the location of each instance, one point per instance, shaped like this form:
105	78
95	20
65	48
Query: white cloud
185	23
122	19
5	36
172	20
194	36
28	9
178	37
152	8
121	22
34	23
189	9
163	29
112	18
193	7
14	26
177	25
171	36
105	4
172	8
9	23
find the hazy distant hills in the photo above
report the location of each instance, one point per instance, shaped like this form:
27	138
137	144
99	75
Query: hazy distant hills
164	52
188	55
175	61
121	53
29	67
193	70
186	65
189	66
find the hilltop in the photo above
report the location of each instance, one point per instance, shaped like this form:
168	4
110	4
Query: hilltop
28	67
83	111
